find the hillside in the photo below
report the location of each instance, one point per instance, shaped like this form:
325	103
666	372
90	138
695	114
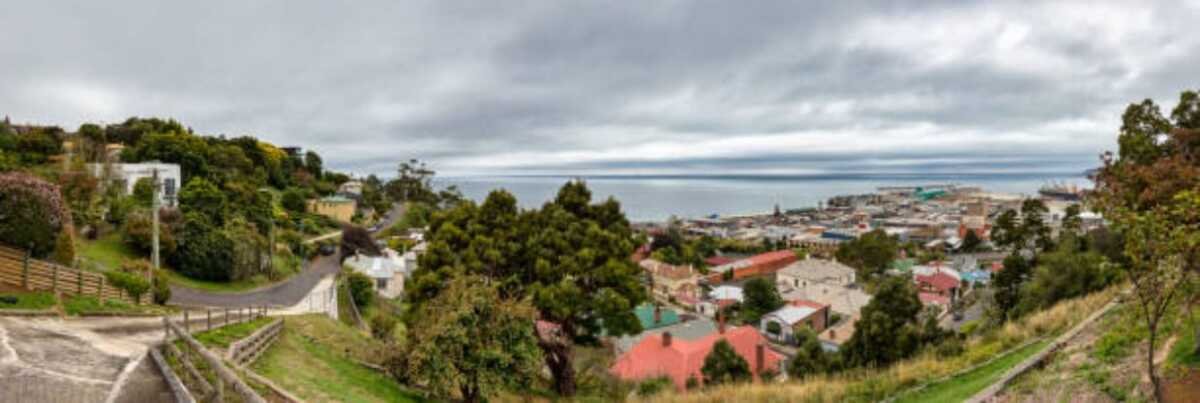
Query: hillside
927	368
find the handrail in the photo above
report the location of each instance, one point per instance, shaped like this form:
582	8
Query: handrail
224	374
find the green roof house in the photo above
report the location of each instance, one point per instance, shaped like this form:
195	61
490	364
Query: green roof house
646	315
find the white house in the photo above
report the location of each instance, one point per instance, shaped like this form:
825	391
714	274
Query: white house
780	324
388	271
127	175
815	271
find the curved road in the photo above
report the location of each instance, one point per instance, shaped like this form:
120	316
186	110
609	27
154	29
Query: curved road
286	293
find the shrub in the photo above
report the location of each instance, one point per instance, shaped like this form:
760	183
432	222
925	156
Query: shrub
161	288
653	386
362	289
134	284
383	326
32	213
64	248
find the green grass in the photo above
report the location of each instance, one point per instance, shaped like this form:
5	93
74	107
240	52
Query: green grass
309	361
965	385
78	305
107	251
284	265
1182	353
223	336
28	300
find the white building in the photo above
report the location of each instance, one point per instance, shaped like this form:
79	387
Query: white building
127	175
387	271
805	272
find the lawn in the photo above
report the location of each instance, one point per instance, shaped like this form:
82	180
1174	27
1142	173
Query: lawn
107	251
223	336
284	265
78	305
308	361
965	385
35	301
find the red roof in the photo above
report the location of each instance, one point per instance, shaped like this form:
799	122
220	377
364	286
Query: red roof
931	298
771	257
939	280
683	359
719	260
806	303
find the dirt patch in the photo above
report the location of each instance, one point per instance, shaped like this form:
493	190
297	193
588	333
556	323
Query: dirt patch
1183	389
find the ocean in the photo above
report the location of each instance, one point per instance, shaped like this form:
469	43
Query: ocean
656	198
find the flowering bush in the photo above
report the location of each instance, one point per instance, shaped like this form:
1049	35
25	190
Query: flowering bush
32	213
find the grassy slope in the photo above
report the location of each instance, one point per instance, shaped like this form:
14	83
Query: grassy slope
875	385
223	336
28	300
309	361
107	251
964	386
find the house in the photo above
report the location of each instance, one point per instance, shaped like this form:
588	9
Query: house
940	283
335	207
126	176
672	282
815	271
757	265
780	325
387	271
842	300
726	293
352	188
660	355
655	316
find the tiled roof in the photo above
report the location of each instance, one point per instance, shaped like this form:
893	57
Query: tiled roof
682	359
940	280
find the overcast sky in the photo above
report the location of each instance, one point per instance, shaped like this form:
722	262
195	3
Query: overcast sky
495	87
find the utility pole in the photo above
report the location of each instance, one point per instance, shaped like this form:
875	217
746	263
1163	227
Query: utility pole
154	213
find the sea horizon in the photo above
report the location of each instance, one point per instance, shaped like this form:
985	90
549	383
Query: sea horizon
657	197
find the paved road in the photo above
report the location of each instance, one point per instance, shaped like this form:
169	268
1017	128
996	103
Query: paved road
284	294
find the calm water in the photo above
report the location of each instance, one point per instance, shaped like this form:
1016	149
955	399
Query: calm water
652	198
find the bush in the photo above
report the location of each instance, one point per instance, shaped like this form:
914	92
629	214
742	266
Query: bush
64	248
653	386
32	213
134	284
362	289
383	326
161	288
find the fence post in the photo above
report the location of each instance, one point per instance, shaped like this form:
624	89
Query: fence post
100	291
226	316
25	268
208	318
187	325
54	278
78	282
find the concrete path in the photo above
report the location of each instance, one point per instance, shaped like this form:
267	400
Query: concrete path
79	360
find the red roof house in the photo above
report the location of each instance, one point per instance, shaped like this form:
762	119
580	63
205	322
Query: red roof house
757	265
939	283
659	355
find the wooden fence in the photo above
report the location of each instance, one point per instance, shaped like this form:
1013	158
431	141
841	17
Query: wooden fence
223	375
245	351
18	269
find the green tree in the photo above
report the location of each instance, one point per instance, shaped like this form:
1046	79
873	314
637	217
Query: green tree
810	359
1064	273
1033	225
571	257
313	164
870	254
201	196
1007	232
362	289
970	242
472	341
295	200
203	252
760	298
1008	284
888	330
724	365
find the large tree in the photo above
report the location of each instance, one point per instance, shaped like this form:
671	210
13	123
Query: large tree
888	330
1147	190
724	365
571	257
472	341
870	254
761	298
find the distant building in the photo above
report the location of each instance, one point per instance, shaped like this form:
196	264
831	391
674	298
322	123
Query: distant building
671	281
816	271
335	207
126	176
351	189
757	265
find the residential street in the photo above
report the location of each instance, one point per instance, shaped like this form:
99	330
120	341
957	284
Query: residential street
284	294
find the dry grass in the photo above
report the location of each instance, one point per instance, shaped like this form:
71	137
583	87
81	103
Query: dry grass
874	385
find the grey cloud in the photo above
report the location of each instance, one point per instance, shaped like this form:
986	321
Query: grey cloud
464	85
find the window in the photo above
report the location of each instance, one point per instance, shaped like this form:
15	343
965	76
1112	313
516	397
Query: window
381	283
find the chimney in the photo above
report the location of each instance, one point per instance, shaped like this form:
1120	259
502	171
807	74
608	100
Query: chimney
759	353
666	336
720	322
657	314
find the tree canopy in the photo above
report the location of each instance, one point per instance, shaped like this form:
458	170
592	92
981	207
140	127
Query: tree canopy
870	254
724	365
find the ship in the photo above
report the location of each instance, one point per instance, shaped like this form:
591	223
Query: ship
1061	191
